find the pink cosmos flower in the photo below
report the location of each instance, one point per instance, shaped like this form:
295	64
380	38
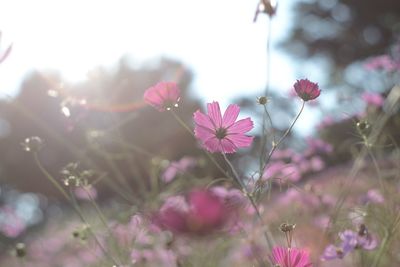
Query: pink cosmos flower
290	257
163	96
306	90
200	213
222	133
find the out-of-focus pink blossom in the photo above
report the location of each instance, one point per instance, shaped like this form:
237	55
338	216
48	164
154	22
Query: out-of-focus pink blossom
231	197
317	164
177	167
163	96
219	133
290	257
273	170
373	99
87	193
134	231
156	257
322	221
382	62
291	172
11	225
372	196
282	154
201	213
315	145
306	90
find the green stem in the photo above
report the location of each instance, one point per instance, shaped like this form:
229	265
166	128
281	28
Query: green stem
275	145
50	178
72	201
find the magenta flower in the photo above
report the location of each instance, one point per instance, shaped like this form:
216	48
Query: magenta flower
201	212
163	96
222	133
306	90
290	257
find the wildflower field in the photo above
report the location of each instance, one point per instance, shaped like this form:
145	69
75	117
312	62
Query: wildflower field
133	167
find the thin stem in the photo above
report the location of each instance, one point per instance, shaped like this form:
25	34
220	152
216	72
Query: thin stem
270	121
377	169
275	145
181	122
268	52
267	235
71	200
381	121
50	178
79	211
378	257
101	216
97	208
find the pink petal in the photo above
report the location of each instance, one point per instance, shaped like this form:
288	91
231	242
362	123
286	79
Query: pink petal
230	115
173	91
203	133
153	97
162	93
204	129
203	120
240	140
213	145
214	112
241	126
227	146
279	255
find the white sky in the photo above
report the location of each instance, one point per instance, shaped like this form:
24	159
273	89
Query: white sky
215	38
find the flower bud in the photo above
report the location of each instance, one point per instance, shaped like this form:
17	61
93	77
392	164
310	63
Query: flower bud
32	144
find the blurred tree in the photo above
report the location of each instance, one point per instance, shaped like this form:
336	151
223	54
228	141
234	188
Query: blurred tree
99	123
344	31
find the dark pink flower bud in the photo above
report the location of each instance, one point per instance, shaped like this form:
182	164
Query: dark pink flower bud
306	90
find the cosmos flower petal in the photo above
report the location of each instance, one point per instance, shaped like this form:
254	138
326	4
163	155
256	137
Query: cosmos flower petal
213	145
219	134
290	257
230	115
203	133
214	112
228	146
163	95
203	120
241	140
241	126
